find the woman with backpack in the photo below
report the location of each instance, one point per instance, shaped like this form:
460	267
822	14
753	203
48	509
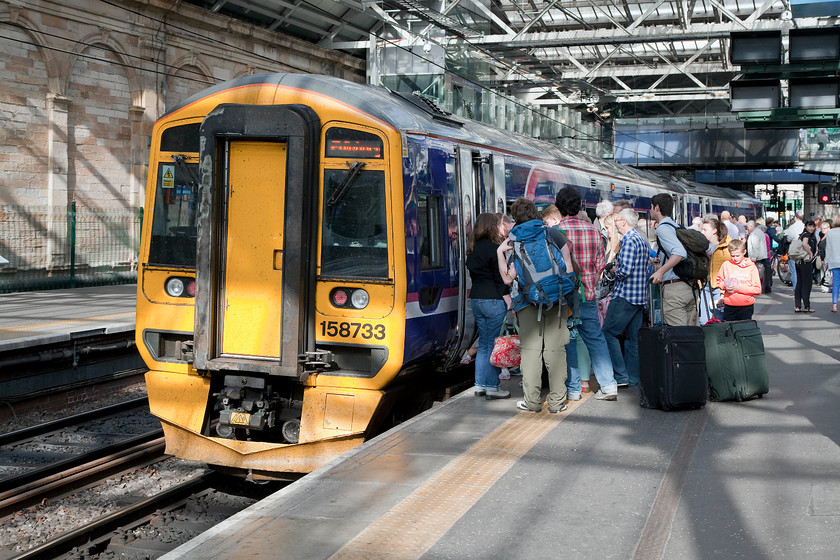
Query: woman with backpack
487	299
805	269
543	328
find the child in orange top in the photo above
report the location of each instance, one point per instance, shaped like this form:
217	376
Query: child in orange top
739	281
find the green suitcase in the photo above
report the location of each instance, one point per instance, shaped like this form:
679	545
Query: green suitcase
735	361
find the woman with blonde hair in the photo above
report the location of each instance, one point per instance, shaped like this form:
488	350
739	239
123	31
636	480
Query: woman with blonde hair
718	236
613	239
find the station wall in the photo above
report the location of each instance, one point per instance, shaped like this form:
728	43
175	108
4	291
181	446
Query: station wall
81	84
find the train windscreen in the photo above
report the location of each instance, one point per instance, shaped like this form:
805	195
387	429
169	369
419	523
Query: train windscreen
174	232
354	242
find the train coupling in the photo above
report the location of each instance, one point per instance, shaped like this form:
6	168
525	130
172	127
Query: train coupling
316	362
246	402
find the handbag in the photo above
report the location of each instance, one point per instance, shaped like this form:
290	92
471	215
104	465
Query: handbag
605	285
796	251
506	352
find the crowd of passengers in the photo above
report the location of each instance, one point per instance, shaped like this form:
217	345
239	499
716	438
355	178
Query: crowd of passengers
741	253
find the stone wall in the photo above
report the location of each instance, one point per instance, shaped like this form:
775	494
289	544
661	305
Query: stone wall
83	81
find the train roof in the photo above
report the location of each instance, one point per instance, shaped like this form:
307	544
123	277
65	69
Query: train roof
410	113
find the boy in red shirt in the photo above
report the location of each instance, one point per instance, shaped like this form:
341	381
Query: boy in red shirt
738	279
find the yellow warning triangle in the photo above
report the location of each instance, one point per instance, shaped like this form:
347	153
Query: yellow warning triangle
167	174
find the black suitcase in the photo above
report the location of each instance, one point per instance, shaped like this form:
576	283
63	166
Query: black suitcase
672	374
735	361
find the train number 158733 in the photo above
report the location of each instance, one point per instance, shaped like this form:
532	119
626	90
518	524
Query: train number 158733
352	330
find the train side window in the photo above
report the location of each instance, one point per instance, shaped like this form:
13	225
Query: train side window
428	216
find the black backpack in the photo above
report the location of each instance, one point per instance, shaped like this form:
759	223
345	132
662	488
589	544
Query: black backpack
696	265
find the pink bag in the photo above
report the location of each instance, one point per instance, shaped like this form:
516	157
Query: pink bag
506	352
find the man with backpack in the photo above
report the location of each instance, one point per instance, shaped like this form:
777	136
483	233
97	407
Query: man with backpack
679	295
588	251
542	291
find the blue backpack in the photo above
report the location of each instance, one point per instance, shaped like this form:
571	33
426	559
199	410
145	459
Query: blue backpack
541	277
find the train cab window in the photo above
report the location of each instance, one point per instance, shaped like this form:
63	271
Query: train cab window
428	217
184	138
174	232
354	241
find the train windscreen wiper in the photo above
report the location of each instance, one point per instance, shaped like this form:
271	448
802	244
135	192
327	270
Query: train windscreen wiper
352	173
180	161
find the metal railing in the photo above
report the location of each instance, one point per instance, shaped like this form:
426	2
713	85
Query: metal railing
51	248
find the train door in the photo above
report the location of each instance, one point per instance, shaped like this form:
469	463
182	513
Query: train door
489	182
251	289
255	259
680	209
469	190
499	185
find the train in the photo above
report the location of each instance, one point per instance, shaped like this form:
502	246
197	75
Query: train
302	258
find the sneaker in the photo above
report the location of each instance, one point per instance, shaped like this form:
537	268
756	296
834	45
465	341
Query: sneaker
480	392
602	396
505	374
573	396
825	289
522	406
563	407
491	394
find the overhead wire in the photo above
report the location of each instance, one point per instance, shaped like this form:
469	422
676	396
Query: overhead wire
205	80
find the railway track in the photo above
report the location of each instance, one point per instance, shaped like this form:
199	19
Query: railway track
151	527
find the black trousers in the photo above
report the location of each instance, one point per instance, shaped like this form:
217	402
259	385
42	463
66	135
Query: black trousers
738	312
804	281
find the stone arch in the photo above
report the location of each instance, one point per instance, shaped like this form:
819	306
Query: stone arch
104	39
182	83
11	15
249	71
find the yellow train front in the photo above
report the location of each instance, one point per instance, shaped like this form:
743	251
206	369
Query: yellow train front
273	251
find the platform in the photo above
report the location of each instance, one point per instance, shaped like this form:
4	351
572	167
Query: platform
476	479
52	316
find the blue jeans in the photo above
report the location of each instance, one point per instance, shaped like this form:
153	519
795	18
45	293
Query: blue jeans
489	316
623	315
792	270
590	331
835	285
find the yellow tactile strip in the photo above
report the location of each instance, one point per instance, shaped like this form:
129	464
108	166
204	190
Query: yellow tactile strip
49	324
410	528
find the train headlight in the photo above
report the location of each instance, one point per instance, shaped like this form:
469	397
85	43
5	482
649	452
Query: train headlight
359	299
175	287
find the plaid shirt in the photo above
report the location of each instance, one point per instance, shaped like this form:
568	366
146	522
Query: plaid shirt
588	250
631	276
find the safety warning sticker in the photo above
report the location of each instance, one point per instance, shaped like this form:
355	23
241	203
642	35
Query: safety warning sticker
167	178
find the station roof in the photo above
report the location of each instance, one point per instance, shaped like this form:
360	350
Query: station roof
656	56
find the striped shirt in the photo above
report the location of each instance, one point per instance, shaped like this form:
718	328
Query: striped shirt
630	271
588	250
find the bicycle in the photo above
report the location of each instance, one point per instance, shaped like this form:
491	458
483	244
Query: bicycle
779	265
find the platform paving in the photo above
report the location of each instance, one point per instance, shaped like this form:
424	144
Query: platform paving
755	480
49	316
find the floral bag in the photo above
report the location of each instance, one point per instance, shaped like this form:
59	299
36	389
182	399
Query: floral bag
506	352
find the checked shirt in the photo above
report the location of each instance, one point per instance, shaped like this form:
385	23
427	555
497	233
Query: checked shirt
631	268
588	250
